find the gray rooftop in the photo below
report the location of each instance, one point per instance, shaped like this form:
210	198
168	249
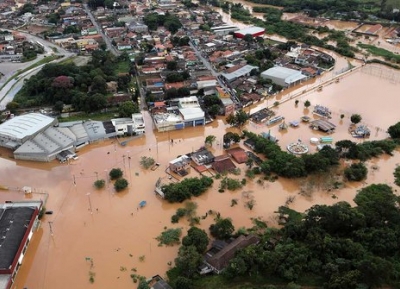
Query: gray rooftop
287	74
239	73
13	225
25	125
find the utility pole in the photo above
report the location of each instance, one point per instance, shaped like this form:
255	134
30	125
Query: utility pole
51	228
90	203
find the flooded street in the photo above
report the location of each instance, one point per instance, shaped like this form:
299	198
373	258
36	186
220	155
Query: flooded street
109	228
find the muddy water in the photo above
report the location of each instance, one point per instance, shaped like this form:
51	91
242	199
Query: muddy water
108	227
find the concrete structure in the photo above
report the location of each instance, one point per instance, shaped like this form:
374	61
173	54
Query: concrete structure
218	257
224	29
181	164
202	157
283	76
184	112
253	31
129	126
18	221
17	130
37	137
243	71
135	26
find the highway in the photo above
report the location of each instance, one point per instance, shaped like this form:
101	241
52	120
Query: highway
107	41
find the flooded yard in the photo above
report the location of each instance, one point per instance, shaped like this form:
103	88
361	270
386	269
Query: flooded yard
110	228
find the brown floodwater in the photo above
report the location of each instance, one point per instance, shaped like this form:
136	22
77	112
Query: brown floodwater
109	228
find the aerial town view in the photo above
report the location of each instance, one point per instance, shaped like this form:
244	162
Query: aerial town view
199	144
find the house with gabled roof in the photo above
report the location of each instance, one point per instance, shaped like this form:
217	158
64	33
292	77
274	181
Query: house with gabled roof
221	252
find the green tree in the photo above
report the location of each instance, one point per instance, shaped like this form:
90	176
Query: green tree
172	65
307	104
222	229
396	174
143	284
210	139
379	205
127	108
115	173
58	106
120	184
238	119
196	237
183	283
188	261
356	172
355	118
248	38
394	130
99	184
12	106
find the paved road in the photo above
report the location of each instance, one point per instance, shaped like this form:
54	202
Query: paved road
8	92
208	65
107	40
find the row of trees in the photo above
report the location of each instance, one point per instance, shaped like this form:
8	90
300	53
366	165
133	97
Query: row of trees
287	165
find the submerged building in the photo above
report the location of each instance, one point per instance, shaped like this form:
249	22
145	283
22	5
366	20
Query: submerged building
37	137
18	221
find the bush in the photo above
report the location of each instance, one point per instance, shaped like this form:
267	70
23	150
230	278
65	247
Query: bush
115	174
170	237
356	172
147	162
397	176
99	184
120	185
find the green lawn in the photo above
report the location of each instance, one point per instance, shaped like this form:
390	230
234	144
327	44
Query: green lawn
390	56
123	67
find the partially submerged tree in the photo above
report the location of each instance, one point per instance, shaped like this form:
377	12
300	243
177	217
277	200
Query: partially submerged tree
147	162
115	173
355	118
120	184
210	139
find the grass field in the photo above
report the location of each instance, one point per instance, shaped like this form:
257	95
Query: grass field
388	55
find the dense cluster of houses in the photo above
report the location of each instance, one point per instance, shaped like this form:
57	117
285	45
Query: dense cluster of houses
11	46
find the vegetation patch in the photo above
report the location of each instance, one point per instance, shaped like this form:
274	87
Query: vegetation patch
386	54
170	237
178	192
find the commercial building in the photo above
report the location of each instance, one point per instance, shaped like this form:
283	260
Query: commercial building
253	31
37	137
18	221
283	76
224	29
183	112
243	71
129	126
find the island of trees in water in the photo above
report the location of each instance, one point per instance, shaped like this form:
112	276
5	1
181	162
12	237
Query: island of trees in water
333	247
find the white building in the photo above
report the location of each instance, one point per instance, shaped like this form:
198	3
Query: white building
283	76
129	126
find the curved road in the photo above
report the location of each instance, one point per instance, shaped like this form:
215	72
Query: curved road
8	92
